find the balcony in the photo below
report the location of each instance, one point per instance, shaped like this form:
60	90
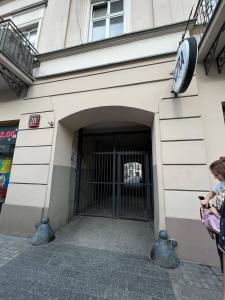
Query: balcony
210	28
17	57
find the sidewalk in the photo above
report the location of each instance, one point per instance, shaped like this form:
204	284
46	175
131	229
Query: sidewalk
61	270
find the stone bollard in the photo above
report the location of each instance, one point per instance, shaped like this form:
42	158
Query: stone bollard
163	253
44	233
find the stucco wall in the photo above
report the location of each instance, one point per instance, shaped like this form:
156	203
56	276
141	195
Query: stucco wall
66	23
30	167
172	11
212	97
59	201
6	7
135	92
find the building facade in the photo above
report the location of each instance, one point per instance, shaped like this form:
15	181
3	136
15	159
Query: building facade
90	124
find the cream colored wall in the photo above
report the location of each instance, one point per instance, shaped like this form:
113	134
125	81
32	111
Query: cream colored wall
137	75
184	154
185	172
212	95
103	56
30	167
6	7
66	23
29	17
177	127
116	90
78	23
131	92
54	26
35	160
59	201
141	15
172	11
158	185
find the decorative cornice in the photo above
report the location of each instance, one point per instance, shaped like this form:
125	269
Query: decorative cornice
119	40
26	8
167	55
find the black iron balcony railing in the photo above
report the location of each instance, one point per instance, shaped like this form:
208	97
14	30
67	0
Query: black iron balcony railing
204	13
210	25
15	46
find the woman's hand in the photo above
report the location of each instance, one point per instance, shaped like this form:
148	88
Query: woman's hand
214	211
208	197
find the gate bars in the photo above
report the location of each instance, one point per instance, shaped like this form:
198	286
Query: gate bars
114	176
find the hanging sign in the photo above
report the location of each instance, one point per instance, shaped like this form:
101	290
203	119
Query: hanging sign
34	121
185	65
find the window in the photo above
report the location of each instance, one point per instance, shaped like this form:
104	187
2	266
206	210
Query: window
107	19
132	173
223	112
31	34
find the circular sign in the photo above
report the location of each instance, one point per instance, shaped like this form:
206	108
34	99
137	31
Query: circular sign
185	65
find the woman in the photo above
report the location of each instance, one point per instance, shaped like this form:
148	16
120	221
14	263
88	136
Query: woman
218	207
218	193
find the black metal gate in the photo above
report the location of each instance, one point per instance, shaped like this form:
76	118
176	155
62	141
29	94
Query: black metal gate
114	176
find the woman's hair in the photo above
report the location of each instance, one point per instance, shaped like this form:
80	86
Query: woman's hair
218	166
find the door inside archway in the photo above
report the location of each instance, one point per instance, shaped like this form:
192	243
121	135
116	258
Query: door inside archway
114	176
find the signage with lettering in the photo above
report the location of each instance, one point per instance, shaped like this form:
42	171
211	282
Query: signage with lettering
34	121
185	65
8	135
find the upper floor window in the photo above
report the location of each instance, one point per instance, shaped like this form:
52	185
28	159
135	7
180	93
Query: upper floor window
31	33
107	19
223	106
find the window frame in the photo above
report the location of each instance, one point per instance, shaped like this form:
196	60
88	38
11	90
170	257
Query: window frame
29	18
34	23
223	109
107	18
32	27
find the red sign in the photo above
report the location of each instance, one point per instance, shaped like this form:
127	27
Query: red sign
8	135
34	121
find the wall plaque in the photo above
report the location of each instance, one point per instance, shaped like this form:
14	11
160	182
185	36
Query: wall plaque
34	121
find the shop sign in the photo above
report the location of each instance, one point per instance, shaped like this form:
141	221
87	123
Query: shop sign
185	65
34	121
8	135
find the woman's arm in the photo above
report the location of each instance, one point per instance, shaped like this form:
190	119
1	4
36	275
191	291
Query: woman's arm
208	197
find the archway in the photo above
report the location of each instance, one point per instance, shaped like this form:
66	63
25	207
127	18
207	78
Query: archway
104	120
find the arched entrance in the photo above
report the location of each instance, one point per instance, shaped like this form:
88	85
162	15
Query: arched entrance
103	162
114	162
114	174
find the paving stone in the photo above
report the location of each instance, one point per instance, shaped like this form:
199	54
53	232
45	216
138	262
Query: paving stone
117	294
48	291
80	296
63	271
90	288
185	292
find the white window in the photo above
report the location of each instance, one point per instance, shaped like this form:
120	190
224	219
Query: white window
223	106
107	19
31	33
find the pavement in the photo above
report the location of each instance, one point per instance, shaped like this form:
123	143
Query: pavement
70	267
